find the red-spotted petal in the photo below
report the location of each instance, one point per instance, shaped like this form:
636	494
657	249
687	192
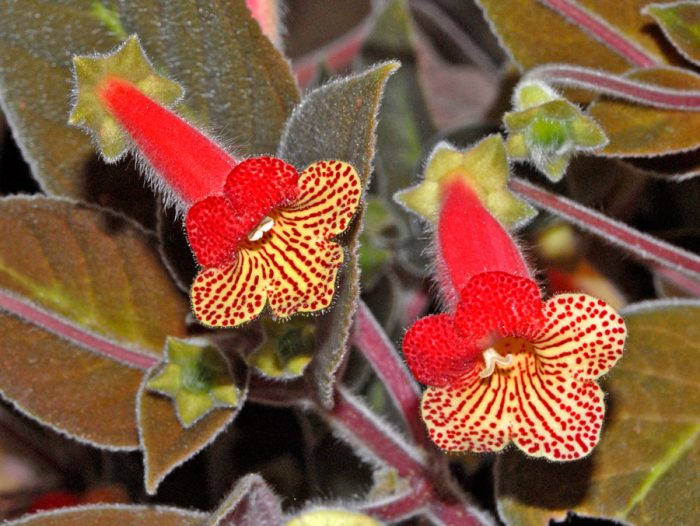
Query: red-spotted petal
434	353
497	304
230	295
256	186
554	417
470	414
302	270
545	416
582	337
214	230
329	196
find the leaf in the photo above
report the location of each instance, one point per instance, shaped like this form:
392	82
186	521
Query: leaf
111	515
646	469
77	282
235	81
643	131
337	121
680	22
405	123
165	443
251	503
534	34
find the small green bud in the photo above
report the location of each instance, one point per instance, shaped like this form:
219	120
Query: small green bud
287	349
547	129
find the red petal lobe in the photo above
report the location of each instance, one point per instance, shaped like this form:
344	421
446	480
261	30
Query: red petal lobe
214	231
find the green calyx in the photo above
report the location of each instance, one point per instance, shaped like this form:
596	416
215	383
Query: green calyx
547	129
128	63
287	348
484	167
197	377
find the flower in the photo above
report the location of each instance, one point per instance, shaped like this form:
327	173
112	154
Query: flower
508	366
262	232
267	240
503	365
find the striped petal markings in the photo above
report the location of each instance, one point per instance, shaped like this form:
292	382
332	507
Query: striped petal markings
294	264
546	401
230	295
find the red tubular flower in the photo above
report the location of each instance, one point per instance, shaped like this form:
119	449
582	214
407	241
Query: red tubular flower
262	233
506	366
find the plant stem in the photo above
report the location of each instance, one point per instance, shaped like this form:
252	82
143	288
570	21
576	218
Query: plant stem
371	339
617	86
602	31
645	247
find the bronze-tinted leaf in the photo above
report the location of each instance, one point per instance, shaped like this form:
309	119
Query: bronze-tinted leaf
646	469
250	502
534	34
642	131
110	515
74	280
337	121
237	84
680	22
165	442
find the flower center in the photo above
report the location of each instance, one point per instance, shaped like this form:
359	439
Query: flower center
493	358
502	353
259	231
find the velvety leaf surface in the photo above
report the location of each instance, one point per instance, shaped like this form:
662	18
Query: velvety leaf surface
110	515
236	83
646	469
534	34
337	121
405	122
643	131
74	279
251	503
680	22
166	443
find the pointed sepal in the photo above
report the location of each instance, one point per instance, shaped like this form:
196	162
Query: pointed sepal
127	63
197	377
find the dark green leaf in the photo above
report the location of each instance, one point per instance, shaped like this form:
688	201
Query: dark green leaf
337	121
110	515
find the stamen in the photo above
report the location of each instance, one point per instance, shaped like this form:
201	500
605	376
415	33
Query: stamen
492	358
259	231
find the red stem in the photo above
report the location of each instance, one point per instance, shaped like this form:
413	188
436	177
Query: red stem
401	507
371	339
601	30
644	246
617	86
92	342
353	418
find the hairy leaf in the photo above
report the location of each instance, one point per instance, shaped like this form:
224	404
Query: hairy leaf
646	469
110	515
237	84
404	124
337	121
83	293
680	22
251	503
533	33
166	442
643	131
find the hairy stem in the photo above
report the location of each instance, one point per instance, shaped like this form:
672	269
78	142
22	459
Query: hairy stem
602	31
371	339
616	86
645	247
